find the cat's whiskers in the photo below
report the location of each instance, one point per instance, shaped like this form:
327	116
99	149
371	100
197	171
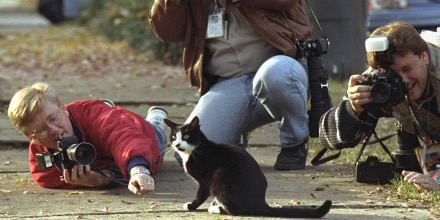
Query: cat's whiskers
168	149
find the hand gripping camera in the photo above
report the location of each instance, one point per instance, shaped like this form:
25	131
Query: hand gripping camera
387	87
70	154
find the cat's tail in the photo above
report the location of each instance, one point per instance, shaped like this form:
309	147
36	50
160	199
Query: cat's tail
300	212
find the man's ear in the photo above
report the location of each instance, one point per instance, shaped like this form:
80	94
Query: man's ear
425	57
63	107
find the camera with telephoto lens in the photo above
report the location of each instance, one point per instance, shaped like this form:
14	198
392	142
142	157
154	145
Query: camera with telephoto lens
71	153
309	55
387	87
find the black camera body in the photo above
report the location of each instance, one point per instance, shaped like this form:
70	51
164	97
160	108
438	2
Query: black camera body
71	153
387	88
374	171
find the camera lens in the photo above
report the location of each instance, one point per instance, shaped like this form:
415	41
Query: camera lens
380	92
82	153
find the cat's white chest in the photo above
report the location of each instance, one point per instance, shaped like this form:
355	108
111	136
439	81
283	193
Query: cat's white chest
183	148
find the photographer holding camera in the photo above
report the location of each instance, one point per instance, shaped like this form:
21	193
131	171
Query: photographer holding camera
88	143
397	55
241	56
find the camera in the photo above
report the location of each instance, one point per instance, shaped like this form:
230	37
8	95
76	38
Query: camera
374	171
387	87
309	55
71	153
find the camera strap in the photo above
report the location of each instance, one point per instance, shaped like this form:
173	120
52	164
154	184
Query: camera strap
318	161
425	120
316	20
112	179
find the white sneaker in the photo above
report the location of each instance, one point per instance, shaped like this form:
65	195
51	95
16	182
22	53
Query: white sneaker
109	102
156	114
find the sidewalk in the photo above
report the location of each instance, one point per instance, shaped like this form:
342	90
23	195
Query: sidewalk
16	19
22	199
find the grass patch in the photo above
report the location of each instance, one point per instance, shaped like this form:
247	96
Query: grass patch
401	190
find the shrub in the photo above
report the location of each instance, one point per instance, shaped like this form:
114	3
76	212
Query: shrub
127	20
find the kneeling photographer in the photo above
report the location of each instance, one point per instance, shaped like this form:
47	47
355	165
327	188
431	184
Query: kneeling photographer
403	82
88	143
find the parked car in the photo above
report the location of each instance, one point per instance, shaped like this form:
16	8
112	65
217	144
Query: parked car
57	11
422	14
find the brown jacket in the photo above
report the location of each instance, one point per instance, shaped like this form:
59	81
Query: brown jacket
280	22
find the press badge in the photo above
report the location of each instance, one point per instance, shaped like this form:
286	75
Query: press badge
216	21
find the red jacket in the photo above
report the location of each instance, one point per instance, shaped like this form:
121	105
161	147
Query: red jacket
117	134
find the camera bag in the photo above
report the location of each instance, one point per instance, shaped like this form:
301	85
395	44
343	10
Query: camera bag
372	170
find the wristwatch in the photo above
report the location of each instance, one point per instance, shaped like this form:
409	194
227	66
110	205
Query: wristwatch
140	171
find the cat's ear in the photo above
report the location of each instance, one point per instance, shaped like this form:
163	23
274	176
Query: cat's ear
170	123
195	122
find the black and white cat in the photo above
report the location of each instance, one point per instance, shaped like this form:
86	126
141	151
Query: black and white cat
230	174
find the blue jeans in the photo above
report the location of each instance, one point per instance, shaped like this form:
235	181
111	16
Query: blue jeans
278	91
161	138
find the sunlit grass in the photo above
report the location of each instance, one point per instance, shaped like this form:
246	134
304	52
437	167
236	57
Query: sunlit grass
22	181
400	189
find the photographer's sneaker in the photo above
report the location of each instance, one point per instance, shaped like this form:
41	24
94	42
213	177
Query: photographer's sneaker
109	102
292	158
156	114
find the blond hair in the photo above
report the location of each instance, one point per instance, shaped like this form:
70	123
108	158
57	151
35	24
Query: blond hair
28	102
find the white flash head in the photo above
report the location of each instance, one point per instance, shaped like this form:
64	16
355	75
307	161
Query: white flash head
376	44
381	51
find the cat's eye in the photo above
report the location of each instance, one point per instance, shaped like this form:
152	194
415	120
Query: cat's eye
173	137
185	136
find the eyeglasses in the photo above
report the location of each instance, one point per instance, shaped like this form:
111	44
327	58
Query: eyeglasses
53	119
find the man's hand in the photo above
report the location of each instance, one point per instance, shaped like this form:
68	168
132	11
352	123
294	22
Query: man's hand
420	180
358	95
83	175
140	182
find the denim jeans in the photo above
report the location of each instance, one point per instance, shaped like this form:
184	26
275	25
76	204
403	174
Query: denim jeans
161	138
278	91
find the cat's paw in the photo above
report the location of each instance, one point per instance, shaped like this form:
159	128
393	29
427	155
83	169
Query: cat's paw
214	209
188	206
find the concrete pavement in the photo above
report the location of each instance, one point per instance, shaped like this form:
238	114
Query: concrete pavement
15	18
